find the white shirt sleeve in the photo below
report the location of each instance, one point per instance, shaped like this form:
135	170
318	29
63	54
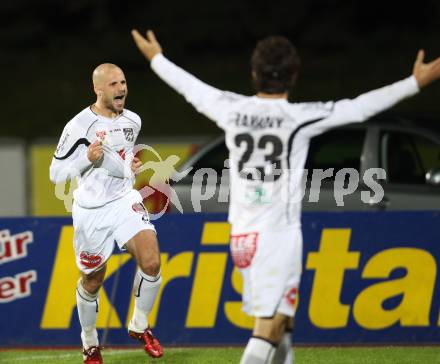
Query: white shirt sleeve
206	99
115	165
70	159
362	107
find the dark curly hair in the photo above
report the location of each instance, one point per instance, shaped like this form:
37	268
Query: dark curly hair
275	64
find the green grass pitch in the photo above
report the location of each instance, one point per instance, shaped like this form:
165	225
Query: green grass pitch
304	355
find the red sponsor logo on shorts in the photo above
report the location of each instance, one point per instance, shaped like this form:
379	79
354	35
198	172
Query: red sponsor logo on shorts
90	260
291	296
243	248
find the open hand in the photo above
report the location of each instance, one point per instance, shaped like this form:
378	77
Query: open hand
425	73
148	46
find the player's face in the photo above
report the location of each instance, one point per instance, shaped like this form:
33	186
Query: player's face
114	90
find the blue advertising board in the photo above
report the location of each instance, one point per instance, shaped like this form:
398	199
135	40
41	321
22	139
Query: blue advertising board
367	278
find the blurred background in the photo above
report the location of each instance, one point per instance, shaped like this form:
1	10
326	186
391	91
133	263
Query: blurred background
49	49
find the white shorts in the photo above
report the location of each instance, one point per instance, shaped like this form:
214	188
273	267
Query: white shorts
97	230
271	264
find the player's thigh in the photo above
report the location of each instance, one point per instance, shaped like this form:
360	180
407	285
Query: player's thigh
93	237
134	232
293	267
144	248
271	265
132	226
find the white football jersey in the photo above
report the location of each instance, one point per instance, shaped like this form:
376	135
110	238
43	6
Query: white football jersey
268	141
113	178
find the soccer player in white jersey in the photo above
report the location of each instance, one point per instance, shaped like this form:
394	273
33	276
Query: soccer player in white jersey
96	147
268	140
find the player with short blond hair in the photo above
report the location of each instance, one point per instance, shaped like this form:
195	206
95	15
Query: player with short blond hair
96	147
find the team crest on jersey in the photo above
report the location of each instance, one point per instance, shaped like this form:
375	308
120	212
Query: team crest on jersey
243	248
90	260
140	209
129	135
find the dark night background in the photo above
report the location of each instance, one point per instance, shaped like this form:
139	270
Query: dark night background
49	49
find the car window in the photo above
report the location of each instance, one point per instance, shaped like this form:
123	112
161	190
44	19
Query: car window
336	149
214	158
407	157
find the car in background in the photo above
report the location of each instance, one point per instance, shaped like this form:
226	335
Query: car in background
409	154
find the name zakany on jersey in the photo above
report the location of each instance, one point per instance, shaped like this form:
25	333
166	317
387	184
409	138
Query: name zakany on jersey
268	140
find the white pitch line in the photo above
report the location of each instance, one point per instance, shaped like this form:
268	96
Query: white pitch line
37	357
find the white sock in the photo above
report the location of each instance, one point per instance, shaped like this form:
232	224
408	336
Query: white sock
145	289
258	351
284	353
87	305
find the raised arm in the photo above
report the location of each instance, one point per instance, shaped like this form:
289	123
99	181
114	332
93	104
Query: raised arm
371	103
205	98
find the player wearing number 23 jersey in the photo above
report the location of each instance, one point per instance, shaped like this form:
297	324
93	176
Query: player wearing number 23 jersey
268	140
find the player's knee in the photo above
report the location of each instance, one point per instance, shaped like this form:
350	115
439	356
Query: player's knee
272	330
278	334
275	333
281	326
150	266
290	324
91	286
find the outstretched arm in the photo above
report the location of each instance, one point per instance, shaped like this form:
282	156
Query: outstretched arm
205	98
371	103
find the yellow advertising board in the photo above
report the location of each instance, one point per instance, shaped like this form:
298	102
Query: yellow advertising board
43	198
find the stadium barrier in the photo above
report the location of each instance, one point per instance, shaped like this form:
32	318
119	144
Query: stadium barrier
367	278
13	167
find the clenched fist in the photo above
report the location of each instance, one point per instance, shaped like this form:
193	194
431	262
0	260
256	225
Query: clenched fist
95	152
